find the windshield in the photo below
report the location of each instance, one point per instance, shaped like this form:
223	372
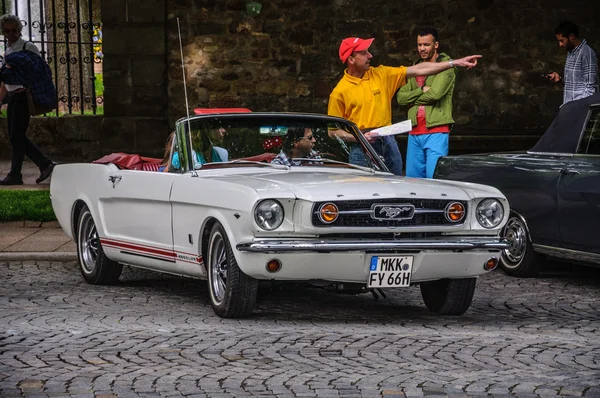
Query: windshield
291	141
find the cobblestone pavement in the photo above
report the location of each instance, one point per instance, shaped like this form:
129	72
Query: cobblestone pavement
154	335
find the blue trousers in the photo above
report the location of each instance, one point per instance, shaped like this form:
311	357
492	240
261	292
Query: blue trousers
384	146
423	152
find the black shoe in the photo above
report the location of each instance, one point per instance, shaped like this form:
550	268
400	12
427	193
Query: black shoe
11	181
45	173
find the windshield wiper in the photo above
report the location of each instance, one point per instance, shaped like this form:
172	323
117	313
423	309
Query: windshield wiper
276	165
237	161
317	161
281	166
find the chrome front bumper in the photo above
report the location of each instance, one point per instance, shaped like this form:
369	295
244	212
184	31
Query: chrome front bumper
342	245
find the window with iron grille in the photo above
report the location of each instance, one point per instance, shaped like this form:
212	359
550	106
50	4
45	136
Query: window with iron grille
68	34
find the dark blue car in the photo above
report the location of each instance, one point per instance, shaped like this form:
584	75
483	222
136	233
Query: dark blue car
553	190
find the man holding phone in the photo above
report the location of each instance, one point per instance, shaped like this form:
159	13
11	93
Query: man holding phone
581	68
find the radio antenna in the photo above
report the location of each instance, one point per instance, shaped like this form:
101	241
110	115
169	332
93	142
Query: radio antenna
187	107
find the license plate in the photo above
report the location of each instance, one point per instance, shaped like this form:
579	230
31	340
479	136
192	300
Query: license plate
390	271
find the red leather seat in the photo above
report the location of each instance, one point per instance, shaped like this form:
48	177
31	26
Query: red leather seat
130	161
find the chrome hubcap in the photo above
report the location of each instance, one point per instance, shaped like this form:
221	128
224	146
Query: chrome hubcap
218	268
515	233
88	243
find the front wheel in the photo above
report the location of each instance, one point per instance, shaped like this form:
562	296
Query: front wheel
232	293
96	268
448	296
519	259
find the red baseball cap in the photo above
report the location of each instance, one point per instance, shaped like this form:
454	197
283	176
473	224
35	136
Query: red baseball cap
352	44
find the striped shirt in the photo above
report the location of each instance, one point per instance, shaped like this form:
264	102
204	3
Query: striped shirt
285	160
581	70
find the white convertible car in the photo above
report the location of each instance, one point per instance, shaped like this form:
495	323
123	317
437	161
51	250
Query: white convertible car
250	197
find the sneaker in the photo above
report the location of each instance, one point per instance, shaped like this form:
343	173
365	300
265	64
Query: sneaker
11	181
45	173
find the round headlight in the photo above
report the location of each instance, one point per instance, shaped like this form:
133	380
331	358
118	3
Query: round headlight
489	213
269	214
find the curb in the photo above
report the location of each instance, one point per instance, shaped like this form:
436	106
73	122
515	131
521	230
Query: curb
38	256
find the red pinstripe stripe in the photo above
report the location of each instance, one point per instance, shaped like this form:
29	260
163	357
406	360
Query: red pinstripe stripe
132	246
139	245
145	249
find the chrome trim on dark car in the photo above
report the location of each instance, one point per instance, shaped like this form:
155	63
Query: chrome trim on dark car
559	154
568	254
332	245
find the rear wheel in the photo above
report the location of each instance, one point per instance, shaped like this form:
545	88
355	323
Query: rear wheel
448	296
519	259
232	293
96	268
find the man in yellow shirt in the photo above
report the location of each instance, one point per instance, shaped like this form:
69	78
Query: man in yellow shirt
364	95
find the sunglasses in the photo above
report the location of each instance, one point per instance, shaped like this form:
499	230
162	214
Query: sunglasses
10	30
308	137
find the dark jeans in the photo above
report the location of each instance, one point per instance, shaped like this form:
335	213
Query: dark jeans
384	146
18	122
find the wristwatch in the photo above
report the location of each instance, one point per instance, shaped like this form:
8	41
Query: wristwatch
451	63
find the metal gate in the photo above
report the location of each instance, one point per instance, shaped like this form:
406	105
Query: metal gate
69	36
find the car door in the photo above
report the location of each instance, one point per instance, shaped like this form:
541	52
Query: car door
529	184
579	190
136	212
186	215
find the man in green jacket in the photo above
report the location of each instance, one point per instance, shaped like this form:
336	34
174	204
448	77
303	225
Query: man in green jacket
430	99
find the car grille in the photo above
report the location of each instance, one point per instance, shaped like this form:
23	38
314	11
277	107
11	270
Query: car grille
428	212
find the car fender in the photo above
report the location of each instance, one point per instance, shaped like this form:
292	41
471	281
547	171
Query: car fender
78	182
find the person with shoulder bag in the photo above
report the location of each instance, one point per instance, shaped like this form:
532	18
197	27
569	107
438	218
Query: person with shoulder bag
23	68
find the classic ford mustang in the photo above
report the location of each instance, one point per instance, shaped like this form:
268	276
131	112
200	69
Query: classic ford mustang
249	197
553	189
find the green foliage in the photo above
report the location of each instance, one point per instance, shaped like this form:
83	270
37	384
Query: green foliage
97	38
99	84
7	6
30	205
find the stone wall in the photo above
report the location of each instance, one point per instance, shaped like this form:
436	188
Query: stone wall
135	76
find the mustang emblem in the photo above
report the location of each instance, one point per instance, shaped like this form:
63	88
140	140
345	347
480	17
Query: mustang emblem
392	212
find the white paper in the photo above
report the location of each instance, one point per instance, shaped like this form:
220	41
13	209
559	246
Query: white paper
396	128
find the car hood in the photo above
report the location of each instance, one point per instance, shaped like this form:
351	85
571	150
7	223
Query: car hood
505	158
509	154
318	186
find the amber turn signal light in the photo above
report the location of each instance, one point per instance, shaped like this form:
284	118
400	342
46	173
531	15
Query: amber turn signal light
490	264
455	212
273	265
328	213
